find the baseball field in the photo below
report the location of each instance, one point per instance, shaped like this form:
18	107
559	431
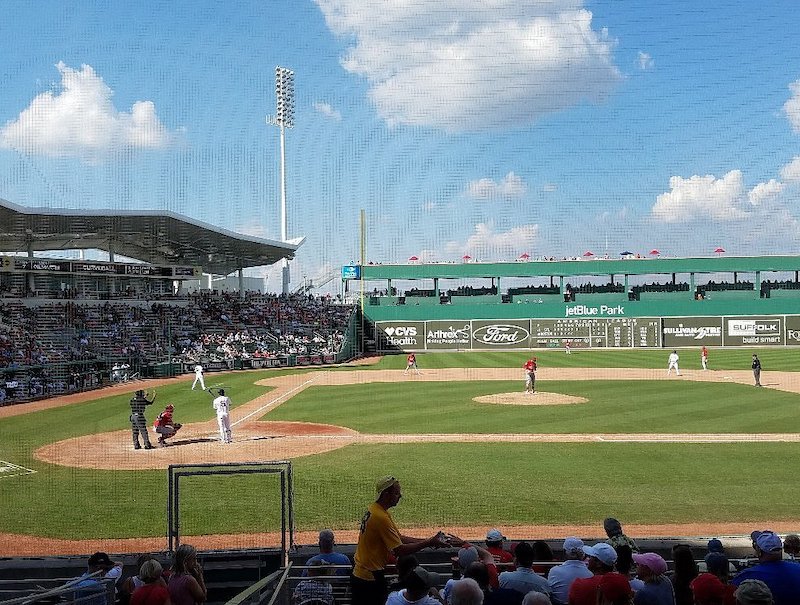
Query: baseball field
607	433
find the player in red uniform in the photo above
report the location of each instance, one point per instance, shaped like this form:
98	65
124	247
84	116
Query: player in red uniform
411	362
164	425
530	375
704	357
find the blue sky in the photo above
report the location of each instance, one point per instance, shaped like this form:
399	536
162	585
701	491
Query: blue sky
487	128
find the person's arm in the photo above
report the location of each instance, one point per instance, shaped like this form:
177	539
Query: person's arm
411	545
197	587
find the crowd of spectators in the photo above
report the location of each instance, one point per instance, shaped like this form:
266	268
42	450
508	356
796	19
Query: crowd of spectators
67	345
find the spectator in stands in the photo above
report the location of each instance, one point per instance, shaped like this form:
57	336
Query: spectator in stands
154	589
494	544
782	577
657	590
685	570
467	555
614	589
536	598
131	583
708	589
562	576
616	537
378	539
600	560
313	590
466	592
542	554
791	547
99	580
754	592
625	566
420	589
329	556
524	579
186	584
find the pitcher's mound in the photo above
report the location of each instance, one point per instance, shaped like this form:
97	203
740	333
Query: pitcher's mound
539	398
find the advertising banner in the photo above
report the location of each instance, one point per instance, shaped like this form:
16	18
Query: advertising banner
501	334
454	334
757	331
793	330
691	331
400	335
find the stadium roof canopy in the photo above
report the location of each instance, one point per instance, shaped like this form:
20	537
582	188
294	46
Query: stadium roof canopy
155	237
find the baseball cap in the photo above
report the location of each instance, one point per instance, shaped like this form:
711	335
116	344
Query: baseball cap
494	535
652	561
603	552
767	541
707	586
466	556
170	407
717	562
384	483
100	558
429	578
715	545
573	546
614	586
753	592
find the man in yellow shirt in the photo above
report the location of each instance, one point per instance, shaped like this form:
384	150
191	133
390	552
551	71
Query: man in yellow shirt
378	540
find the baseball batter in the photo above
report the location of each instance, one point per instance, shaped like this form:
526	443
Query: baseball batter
222	406
138	423
198	376
704	357
411	363
672	362
530	376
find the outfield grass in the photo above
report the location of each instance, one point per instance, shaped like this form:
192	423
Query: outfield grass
461	484
778	358
614	407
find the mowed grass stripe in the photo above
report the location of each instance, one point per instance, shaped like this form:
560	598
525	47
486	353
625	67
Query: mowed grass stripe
624	406
775	358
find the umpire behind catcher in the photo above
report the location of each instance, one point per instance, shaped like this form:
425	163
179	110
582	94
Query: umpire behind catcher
138	423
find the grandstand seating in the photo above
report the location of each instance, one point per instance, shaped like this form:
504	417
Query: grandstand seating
53	346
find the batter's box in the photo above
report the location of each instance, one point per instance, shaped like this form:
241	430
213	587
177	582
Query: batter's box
9	469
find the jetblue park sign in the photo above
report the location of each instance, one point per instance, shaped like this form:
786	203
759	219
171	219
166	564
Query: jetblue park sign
594	311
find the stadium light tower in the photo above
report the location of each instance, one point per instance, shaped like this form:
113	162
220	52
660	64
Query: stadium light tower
283	118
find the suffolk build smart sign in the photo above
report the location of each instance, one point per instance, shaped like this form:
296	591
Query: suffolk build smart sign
753	331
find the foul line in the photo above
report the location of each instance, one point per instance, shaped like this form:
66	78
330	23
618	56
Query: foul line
284	395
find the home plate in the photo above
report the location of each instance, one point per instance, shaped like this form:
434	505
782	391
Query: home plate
538	398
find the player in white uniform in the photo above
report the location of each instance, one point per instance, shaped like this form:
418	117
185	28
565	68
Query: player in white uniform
672	362
198	375
222	406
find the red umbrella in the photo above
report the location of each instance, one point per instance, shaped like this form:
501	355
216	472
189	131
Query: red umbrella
413	258
719	250
654	252
525	255
588	253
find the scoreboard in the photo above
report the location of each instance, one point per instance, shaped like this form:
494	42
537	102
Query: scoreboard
624	332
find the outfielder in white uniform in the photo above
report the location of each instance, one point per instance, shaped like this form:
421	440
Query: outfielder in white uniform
198	375
222	406
673	363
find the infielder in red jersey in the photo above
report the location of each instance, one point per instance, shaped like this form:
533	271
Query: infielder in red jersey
411	363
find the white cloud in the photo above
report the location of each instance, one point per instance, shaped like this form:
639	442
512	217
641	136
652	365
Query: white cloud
487	244
703	198
792	107
645	61
510	186
327	110
764	192
467	65
791	171
80	120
